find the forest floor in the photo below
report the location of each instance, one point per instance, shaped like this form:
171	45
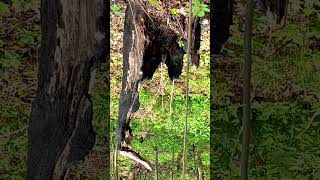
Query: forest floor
286	103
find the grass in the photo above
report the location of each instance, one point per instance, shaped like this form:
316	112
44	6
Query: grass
153	126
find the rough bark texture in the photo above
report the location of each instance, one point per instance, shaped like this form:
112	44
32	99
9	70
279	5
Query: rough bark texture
222	19
60	130
277	10
195	41
132	62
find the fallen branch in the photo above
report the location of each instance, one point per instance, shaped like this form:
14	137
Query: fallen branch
4	135
310	122
131	154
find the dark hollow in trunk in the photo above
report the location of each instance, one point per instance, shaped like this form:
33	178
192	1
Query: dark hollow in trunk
60	129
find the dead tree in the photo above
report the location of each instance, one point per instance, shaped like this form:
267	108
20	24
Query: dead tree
60	130
148	40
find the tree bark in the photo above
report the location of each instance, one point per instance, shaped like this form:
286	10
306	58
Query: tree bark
221	19
60	130
246	105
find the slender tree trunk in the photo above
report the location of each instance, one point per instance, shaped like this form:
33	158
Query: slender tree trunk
156	163
60	129
246	93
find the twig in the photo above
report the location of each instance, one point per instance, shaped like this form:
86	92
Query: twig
235	146
153	101
4	135
161	86
172	163
187	92
147	13
115	166
156	163
310	122
171	100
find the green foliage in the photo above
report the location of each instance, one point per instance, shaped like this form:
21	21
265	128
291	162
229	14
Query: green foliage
14	116
9	59
199	9
286	81
153	125
153	1
278	151
28	37
174	11
115	9
4	8
180	43
99	97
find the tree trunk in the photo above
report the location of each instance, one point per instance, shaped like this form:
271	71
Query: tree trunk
60	129
246	102
222	19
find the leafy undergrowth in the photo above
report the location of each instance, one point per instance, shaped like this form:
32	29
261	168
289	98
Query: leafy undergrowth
19	40
286	95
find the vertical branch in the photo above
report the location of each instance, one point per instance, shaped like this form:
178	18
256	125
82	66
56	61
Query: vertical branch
113	157
246	93
187	91
171	100
199	167
172	163
115	162
161	87
156	163
196	172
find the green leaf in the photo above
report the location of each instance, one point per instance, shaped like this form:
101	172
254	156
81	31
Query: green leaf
28	37
205	9
200	13
174	11
115	9
153	1
199	9
180	43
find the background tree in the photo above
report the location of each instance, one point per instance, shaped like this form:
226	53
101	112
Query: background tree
60	130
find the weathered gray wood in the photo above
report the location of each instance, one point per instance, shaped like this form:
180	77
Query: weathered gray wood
60	129
133	50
